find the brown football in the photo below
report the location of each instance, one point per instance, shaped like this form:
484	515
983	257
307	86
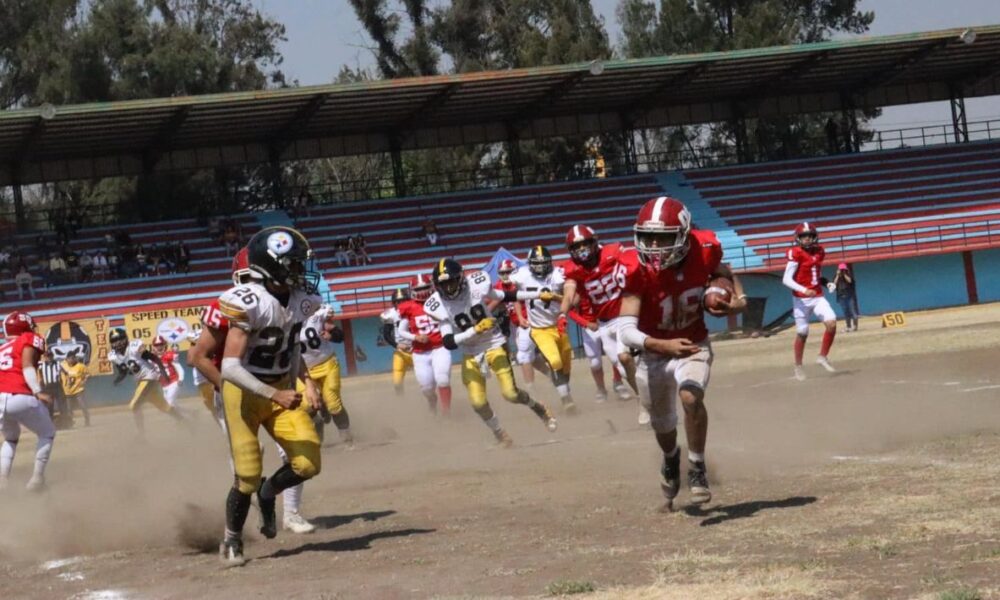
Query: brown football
718	291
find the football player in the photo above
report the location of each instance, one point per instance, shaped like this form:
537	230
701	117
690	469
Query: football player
519	321
593	349
318	336
598	271
22	401
133	357
803	275
175	372
260	361
547	325
662	317
458	304
205	387
431	360
402	356
205	360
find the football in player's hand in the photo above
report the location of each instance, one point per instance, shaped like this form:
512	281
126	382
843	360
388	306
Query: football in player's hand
718	295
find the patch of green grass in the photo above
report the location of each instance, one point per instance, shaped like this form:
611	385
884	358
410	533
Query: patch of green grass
960	594
569	587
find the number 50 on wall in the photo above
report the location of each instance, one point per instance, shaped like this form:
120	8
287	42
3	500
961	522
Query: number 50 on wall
893	319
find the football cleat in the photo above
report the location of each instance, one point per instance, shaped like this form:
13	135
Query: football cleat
823	362
670	479
268	516
231	553
800	374
545	415
600	397
698	482
623	392
35	484
643	416
503	438
569	407
296	523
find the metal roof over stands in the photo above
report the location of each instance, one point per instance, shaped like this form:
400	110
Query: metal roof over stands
128	138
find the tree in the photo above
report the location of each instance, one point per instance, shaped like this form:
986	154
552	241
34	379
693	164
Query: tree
689	26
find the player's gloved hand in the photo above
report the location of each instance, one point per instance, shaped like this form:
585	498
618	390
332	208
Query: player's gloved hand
676	348
289	399
547	296
593	326
561	325
485	325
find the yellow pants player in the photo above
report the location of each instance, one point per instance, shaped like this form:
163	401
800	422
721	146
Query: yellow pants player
318	336
136	359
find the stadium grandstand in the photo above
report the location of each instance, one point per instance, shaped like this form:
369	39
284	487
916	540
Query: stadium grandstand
886	200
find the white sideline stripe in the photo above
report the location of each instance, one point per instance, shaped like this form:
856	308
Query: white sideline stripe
981	388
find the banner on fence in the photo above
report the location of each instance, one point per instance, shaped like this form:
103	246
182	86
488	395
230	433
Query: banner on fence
87	338
172	324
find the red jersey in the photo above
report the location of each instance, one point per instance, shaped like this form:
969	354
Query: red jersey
583	313
671	298
512	307
809	268
11	373
419	323
212	317
603	285
168	359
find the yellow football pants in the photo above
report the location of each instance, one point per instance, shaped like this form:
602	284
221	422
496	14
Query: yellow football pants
294	431
401	363
149	391
475	383
327	376
207	392
555	347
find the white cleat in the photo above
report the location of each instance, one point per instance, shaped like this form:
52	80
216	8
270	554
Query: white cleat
296	523
823	362
800	374
35	484
643	416
551	424
600	397
622	391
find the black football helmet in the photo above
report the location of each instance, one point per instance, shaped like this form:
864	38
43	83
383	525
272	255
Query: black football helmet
282	255
449	278
540	262
399	296
118	340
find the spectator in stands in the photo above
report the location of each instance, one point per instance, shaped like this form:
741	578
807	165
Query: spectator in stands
340	253
100	265
847	295
72	266
356	246
25	283
231	237
5	262
41	244
141	262
183	257
832	136
57	270
114	266
215	229
86	267
430	231
156	262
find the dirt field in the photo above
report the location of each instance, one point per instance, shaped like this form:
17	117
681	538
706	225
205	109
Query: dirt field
878	482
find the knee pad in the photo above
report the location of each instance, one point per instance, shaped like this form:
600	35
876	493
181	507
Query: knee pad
305	467
596	364
802	330
248	485
525	358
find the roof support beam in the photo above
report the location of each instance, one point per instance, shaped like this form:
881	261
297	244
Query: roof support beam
755	95
425	111
297	124
886	76
980	74
651	99
160	144
554	94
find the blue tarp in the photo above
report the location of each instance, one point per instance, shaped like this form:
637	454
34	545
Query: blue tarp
501	255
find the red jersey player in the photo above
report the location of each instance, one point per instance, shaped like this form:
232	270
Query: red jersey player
518	322
22	401
663	317
431	360
803	275
596	272
175	372
593	347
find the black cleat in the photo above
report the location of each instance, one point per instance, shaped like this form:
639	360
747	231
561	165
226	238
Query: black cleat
670	479
268	516
698	482
231	553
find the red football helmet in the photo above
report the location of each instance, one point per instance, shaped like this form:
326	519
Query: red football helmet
17	323
159	344
661	232
506	269
421	286
806	235
241	266
583	245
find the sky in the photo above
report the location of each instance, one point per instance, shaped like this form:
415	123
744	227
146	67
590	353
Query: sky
325	34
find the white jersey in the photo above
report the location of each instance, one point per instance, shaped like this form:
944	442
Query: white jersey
273	329
541	314
465	311
315	349
391	316
132	361
193	336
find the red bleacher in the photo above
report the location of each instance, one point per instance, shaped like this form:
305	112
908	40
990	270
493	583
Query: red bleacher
868	206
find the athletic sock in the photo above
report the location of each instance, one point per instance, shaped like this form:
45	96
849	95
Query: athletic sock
800	348
237	509
615	375
828	336
444	396
696	457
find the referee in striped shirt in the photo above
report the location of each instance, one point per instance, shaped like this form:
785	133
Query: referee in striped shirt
52	385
